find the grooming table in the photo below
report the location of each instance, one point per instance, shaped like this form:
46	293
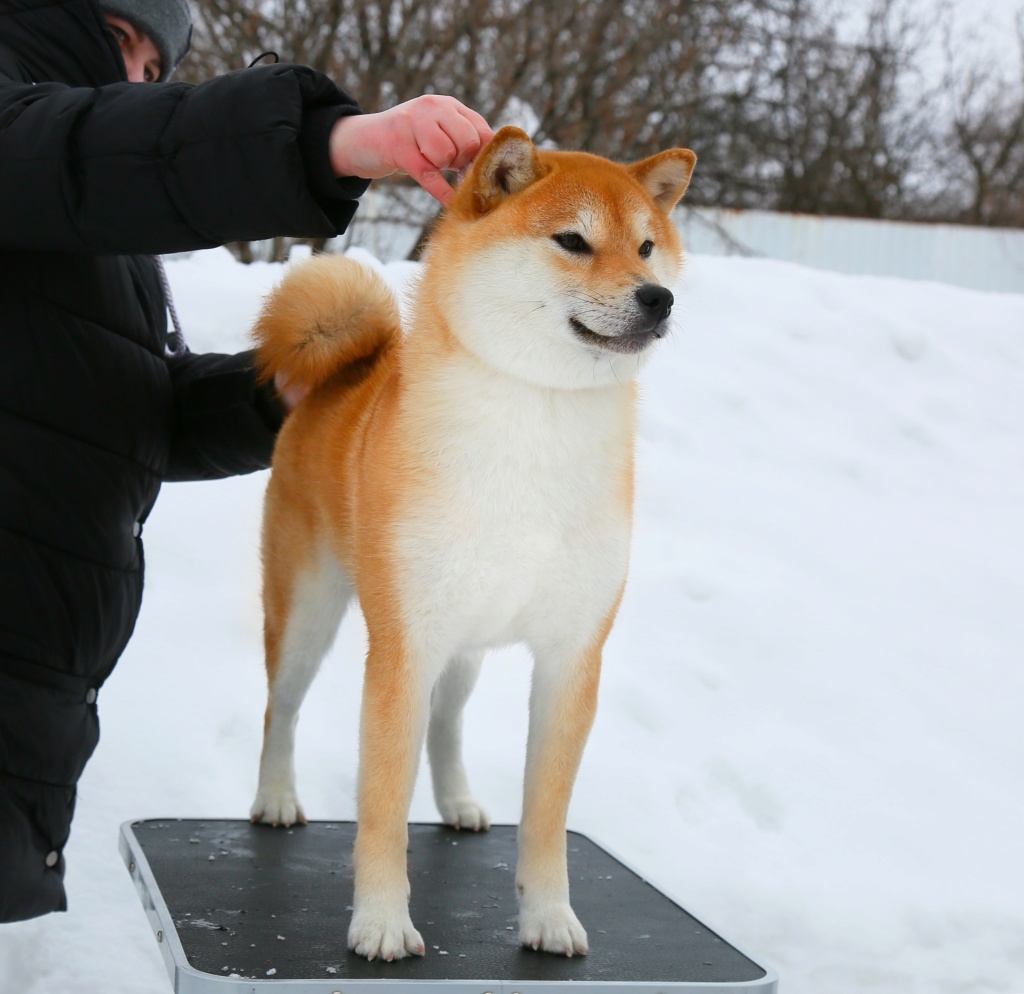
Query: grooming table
247	909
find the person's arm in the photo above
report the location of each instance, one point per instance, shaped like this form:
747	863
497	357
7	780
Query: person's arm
153	168
224	423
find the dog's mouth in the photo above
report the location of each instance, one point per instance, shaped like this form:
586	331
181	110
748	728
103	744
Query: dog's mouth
627	343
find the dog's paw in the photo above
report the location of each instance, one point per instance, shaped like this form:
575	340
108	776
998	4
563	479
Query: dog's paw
277	808
464	813
387	938
555	929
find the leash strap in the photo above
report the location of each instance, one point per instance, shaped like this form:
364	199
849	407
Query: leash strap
176	345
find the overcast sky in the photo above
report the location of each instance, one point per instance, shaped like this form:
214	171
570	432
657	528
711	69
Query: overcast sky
993	20
1000	14
985	29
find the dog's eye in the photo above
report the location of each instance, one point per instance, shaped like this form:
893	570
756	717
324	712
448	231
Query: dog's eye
646	249
573	241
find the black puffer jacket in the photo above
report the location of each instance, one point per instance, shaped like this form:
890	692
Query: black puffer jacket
95	173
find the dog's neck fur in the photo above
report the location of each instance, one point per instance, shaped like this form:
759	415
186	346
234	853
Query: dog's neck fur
453	389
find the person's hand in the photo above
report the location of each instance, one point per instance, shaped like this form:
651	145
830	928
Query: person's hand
419	138
289	395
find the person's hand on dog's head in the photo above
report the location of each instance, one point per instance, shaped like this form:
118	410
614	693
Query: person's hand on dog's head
420	138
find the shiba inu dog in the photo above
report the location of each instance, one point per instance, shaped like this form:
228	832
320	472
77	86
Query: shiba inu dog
471	482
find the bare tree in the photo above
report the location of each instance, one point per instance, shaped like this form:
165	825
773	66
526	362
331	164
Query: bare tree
621	78
229	34
381	51
793	105
982	150
822	120
616	77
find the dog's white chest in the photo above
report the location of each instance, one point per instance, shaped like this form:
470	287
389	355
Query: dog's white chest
524	533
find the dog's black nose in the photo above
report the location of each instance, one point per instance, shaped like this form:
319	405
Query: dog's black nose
656	301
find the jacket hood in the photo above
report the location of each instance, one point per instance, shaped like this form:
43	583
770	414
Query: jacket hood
61	41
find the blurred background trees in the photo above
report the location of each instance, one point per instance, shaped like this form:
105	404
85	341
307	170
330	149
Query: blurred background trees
791	105
982	141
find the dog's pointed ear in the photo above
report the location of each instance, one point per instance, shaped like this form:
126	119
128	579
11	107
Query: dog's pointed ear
507	165
666	175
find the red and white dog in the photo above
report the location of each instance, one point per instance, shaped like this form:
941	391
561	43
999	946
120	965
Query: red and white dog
472	482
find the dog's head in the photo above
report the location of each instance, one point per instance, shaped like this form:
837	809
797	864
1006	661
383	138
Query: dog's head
557	266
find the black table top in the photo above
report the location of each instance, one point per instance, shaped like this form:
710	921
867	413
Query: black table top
263	903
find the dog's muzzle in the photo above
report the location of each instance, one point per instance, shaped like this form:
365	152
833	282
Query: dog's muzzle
645	327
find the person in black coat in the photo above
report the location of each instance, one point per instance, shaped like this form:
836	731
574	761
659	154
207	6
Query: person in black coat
98	405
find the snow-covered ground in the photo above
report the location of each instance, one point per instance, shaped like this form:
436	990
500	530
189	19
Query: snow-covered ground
811	722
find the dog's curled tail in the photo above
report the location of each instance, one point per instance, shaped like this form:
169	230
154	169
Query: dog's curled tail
329	313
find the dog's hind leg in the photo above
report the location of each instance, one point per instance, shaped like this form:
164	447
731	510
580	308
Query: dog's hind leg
563	700
454	799
302	614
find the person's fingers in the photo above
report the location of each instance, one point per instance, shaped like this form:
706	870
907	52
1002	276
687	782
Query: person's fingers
479	122
447	132
424	172
477	119
466	139
290	396
435	143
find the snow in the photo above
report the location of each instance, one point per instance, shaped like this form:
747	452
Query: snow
810	726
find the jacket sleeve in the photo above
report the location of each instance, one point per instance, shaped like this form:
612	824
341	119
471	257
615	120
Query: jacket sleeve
224	423
165	167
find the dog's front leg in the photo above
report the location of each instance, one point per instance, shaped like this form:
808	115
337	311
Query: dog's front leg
395	706
563	700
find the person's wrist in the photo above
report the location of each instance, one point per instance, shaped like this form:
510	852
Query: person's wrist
341	142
